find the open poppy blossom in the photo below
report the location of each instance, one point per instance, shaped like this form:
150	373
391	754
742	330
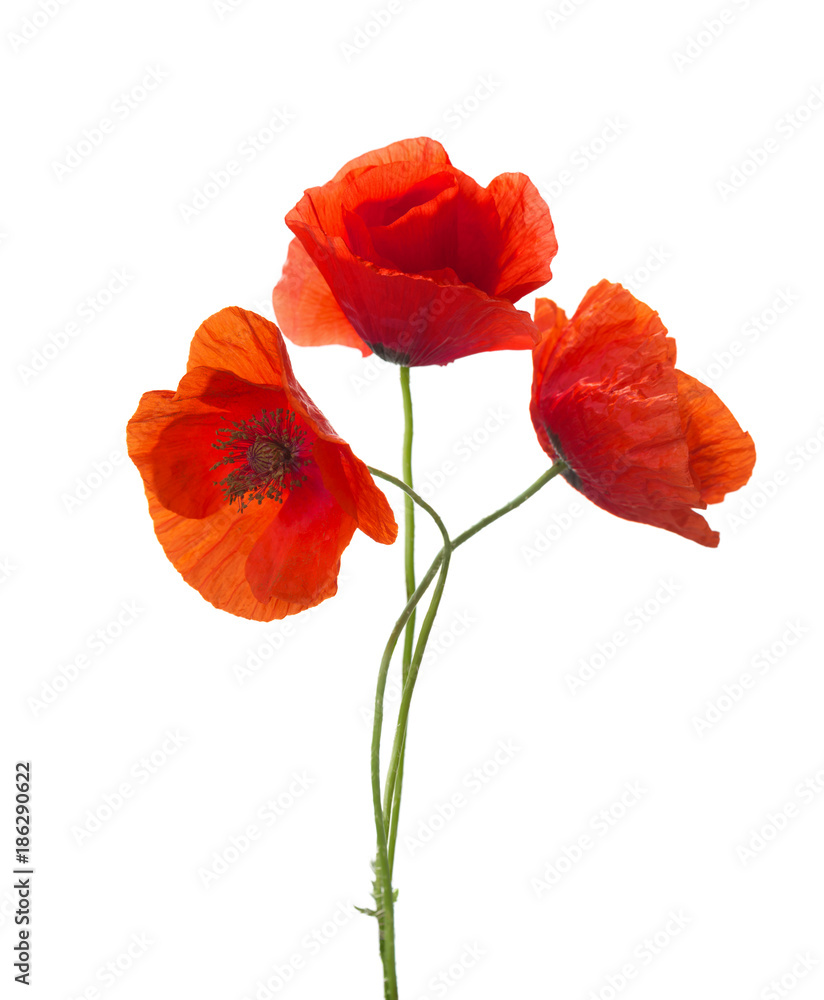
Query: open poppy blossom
404	255
640	438
253	495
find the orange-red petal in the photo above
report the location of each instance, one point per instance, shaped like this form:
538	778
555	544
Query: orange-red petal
414	319
722	455
421	148
350	482
242	342
680	520
172	435
641	439
269	559
404	217
423	263
306	309
211	554
296	557
528	237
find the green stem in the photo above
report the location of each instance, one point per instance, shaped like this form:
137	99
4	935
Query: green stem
541	481
409	517
384	897
396	808
391	810
394	778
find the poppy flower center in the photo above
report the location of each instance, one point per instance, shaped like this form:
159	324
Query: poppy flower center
268	452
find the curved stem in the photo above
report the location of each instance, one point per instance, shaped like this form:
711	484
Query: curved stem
384	897
395	776
383	873
442	561
394	816
541	481
409	517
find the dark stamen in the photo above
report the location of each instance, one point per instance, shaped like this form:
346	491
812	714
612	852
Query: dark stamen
269	450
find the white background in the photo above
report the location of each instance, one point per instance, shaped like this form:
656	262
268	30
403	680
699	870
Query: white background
535	93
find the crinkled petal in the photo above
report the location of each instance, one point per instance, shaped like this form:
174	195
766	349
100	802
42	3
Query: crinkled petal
236	336
172	435
406	218
681	520
550	321
413	319
350	482
421	148
242	342
424	264
306	309
722	455
528	237
611	337
605	395
642	440
623	447
211	554
296	558
269	559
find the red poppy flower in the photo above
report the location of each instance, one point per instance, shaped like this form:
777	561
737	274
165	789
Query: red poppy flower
642	440
252	494
404	255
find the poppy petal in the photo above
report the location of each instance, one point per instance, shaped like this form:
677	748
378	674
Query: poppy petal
172	436
641	439
680	520
406	218
722	455
421	148
211	554
244	343
528	237
605	392
296	558
624	447
612	336
423	263
551	322
350	482
414	319
306	309
238	336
